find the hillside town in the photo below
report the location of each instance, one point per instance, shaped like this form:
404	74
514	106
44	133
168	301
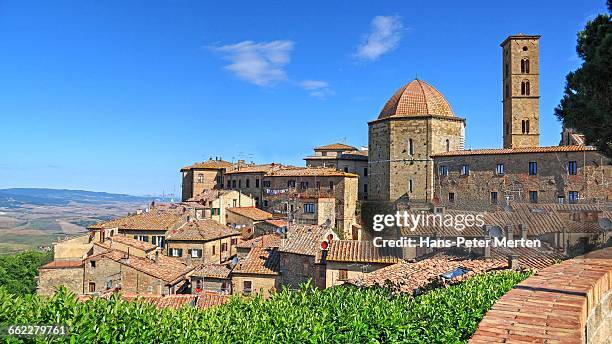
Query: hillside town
245	228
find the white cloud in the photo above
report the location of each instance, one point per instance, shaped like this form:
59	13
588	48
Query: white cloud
317	88
258	63
385	34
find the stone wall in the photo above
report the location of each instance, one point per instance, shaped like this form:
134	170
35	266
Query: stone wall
260	284
592	180
564	303
211	250
50	279
400	150
296	269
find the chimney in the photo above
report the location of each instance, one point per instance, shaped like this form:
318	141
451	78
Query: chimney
510	232
523	229
513	262
486	229
487	249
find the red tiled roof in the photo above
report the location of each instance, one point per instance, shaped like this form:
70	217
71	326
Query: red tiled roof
201	230
157	220
206	300
260	261
63	264
208	165
278	223
303	240
202	300
212	270
336	146
409	277
145	246
552	149
251	213
267	240
255	168
416	98
361	251
166	268
529	258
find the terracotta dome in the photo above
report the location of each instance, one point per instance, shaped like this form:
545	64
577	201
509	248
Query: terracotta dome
416	98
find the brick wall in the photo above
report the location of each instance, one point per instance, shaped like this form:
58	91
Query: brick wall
566	303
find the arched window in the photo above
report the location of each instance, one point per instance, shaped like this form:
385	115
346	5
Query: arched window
522	88
410	147
527	91
527	126
447	145
525	66
523	126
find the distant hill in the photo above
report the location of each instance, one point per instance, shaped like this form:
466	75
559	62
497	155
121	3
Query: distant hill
19	196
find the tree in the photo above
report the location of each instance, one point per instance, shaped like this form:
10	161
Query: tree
18	272
587	102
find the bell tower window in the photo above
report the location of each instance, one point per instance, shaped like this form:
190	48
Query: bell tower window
410	147
525	66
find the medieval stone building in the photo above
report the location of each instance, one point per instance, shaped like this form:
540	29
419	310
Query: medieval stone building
414	124
416	148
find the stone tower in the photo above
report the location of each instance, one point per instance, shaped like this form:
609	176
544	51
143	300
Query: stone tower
521	88
416	122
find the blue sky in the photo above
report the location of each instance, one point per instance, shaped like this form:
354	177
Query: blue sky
117	95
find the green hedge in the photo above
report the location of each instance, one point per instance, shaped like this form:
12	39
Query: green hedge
339	314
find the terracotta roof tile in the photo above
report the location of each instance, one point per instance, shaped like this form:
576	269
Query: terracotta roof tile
303	239
157	220
552	149
167	269
263	168
336	146
63	264
210	164
267	240
278	223
201	230
361	251
251	213
175	301
410	277
206	300
260	261
141	245
212	270
416	98
530	258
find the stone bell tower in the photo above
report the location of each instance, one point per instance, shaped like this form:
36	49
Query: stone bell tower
521	88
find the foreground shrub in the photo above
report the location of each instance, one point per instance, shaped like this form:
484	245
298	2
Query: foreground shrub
340	314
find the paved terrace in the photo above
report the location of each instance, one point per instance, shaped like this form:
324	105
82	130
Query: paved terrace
570	302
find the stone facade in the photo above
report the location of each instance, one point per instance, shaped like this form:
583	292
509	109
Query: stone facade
262	285
342	188
486	185
215	251
521	91
49	279
400	150
297	269
337	273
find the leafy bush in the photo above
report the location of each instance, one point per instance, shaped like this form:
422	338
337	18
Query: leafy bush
18	271
339	314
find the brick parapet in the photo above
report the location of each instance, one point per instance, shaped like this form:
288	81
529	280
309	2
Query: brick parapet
564	303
